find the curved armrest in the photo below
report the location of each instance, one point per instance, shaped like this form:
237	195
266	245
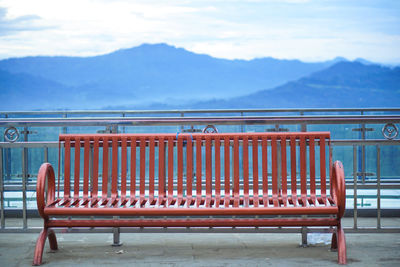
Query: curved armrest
45	171
338	187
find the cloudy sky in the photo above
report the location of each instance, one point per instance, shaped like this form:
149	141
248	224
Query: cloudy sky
310	30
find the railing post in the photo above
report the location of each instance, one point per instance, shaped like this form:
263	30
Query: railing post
355	185
7	163
2	190
24	181
363	152
378	185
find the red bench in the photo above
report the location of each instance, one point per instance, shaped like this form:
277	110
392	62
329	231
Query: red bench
184	179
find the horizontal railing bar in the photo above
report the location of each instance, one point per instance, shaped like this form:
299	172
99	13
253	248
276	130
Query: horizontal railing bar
367	142
50	112
202	230
337	142
222	120
30	144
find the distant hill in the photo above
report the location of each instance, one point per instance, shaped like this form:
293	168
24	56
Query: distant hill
140	76
24	91
345	84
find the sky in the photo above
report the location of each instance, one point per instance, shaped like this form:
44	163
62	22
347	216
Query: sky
309	30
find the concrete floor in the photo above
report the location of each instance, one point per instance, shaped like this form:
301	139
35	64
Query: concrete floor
193	249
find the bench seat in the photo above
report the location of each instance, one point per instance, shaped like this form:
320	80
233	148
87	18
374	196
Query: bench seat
193	180
116	207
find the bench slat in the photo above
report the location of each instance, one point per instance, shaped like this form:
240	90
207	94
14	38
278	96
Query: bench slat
208	165
189	169
293	169
104	184
77	162
95	185
322	167
198	172
312	169
86	162
124	167
161	170
151	169
142	173
255	168
303	171
274	170
133	171
114	168
245	159
265	171
217	171
284	170
236	171
67	167
227	164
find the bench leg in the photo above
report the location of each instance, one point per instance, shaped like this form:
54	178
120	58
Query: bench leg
116	237
339	243
304	232
334	241
37	257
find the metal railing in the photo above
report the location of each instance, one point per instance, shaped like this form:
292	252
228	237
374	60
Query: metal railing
131	121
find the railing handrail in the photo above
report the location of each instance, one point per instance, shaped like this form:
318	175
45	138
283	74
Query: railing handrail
179	111
219	120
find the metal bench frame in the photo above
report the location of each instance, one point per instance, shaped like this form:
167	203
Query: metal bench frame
180	190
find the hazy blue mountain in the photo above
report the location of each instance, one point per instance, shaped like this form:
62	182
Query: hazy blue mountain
345	84
143	75
24	91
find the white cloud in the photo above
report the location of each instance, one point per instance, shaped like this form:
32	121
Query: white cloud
306	30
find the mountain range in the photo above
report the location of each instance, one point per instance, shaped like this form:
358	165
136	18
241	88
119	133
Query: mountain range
163	76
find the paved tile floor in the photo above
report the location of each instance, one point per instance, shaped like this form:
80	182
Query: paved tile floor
210	249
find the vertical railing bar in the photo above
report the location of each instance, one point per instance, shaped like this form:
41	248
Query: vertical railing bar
2	190
378	177
123	127
64	129
24	176
355	185
46	154
363	171
241	125
182	115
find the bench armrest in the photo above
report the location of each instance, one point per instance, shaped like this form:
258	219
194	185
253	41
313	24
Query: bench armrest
338	187
45	171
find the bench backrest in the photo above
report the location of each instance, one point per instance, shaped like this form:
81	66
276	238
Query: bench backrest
195	165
